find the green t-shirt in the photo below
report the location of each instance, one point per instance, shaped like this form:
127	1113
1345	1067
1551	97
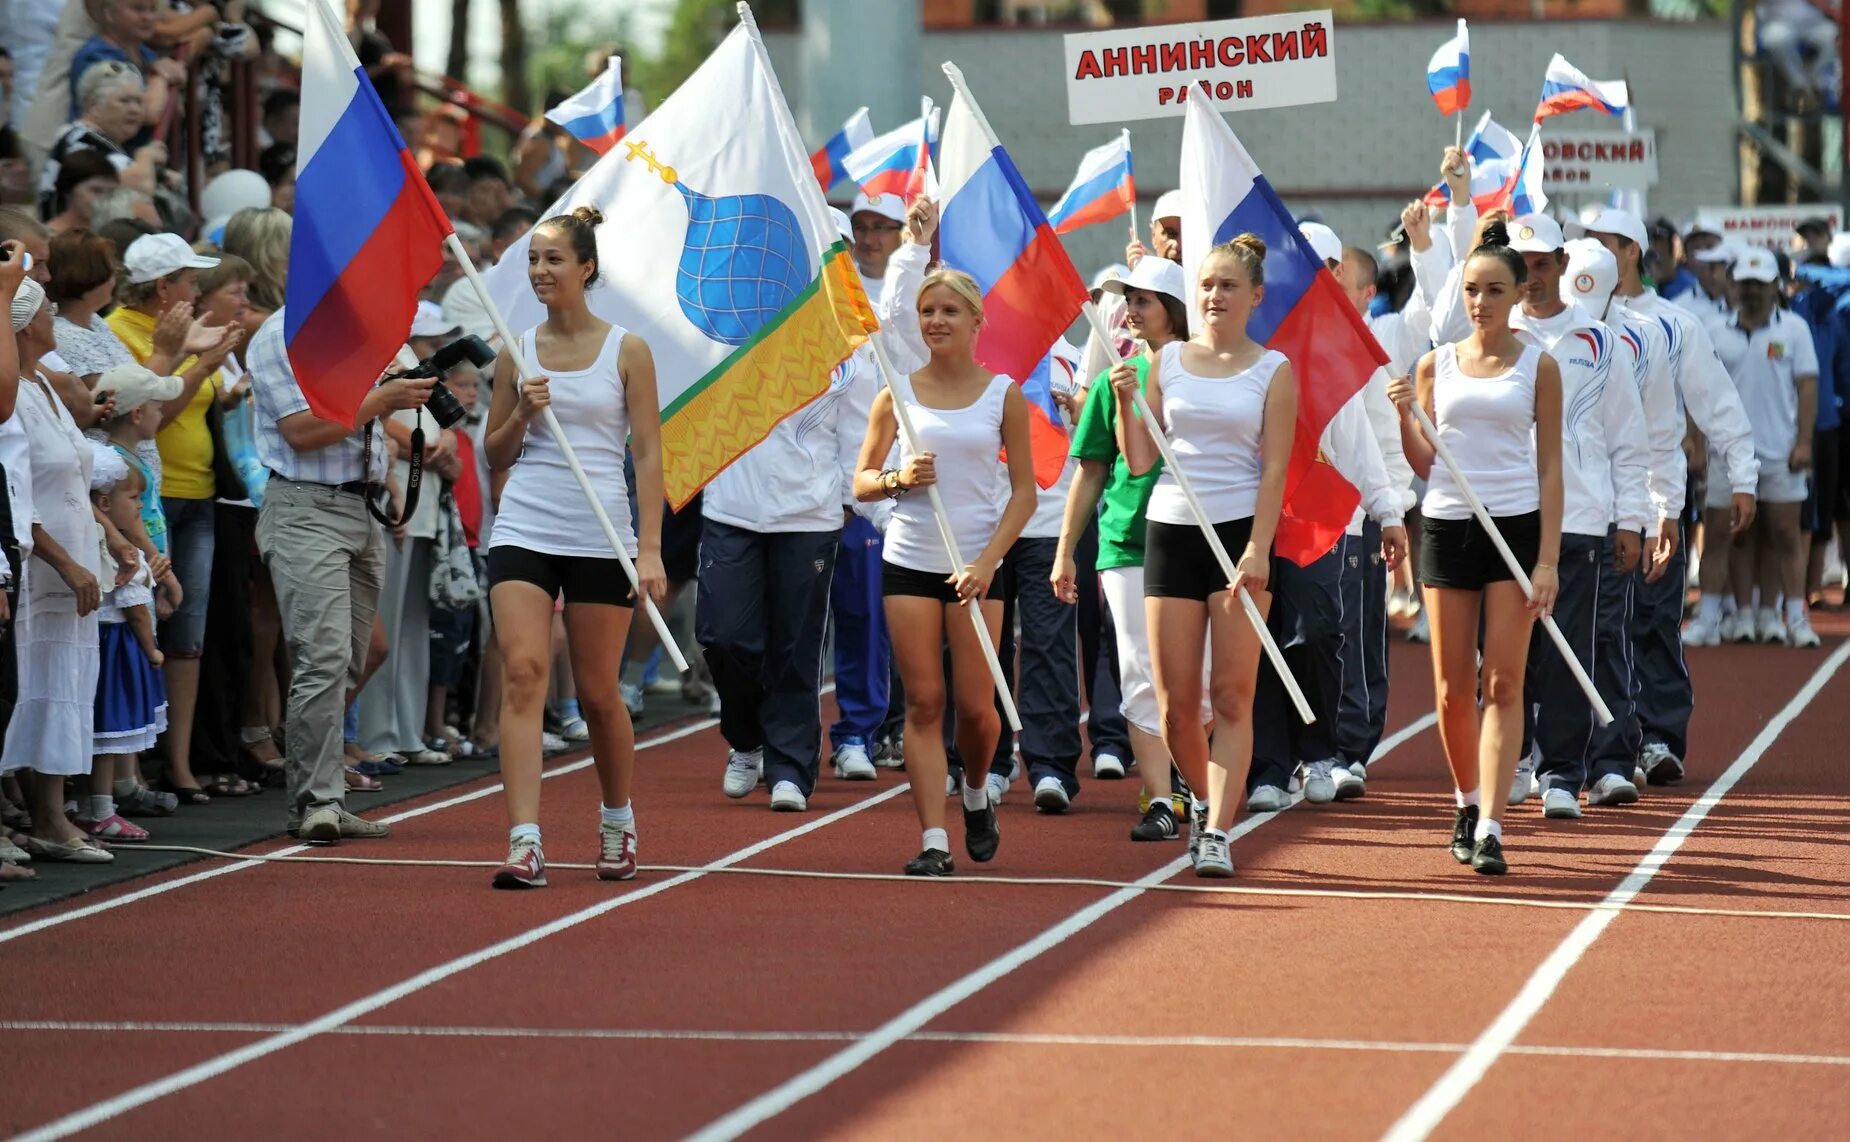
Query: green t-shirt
1126	497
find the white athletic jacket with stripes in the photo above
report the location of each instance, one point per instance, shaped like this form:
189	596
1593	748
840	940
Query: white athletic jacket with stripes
1707	394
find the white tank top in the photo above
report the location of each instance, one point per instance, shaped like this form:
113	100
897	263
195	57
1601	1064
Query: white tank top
542	508
972	480
1488	423
1216	426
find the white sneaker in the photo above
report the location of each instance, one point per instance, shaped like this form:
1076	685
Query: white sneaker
1295	786
1050	796
1638	775
744	770
632	698
950	785
552	743
1737	627
1703	631
1560	805
575	730
1359	769
852	763
1350	782
1319	783
1421	630
787	798
1771	628
1108	767
1661	767
997	786
1523	787
1213	861
1612	790
1800	634
1268	799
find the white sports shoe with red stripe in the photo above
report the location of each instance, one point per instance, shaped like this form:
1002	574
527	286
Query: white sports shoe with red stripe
525	866
616	856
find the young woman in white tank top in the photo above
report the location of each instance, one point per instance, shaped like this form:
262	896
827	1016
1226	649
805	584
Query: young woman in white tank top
546	540
1497	406
1230	406
966	418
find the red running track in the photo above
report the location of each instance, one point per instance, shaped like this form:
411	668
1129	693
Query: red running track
289	1000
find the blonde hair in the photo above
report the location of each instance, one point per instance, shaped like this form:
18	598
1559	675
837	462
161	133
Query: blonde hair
1247	251
959	283
260	236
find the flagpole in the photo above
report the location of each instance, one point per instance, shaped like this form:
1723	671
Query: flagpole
526	371
1127	151
1458	129
904	416
1600	709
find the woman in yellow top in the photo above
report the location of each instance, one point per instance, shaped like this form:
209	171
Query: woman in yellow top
154	318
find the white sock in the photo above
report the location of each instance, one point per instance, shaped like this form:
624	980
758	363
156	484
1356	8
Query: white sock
1471	798
624	816
524	832
1488	828
1795	610
102	808
976	797
937	839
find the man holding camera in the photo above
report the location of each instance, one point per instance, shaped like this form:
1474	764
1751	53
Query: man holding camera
326	557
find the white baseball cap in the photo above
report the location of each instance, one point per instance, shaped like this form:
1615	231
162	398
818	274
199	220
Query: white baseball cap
1115	270
152	257
1168	205
1592	274
1727	250
1612	220
135	386
1323	240
1839	251
430	321
1535	234
889	206
1756	265
841	223
1158	275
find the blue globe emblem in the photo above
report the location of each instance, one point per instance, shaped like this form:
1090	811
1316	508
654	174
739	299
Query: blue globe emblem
743	261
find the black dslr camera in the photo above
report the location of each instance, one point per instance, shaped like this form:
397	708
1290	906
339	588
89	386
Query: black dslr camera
443	405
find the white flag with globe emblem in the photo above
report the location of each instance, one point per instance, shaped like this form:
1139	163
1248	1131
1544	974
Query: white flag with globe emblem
717	249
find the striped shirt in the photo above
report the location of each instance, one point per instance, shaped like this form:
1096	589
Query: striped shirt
277	395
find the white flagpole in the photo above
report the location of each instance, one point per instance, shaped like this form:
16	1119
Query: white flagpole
1510	561
906	429
1127	150
525	368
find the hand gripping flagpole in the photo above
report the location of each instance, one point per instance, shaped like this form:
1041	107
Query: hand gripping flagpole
913	444
1509	560
1200	513
526	370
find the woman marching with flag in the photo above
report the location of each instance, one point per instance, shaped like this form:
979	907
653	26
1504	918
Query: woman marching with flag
966	419
1229	405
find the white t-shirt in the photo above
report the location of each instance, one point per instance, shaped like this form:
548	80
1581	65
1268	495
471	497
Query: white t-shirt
1488	425
966	444
1216	428
1766	365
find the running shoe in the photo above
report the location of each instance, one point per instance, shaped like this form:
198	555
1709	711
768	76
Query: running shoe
1487	856
1612	790
998	787
1560	804
744	770
1522	786
616	852
931	862
1267	799
1421	630
1464	826
1158	824
1197	828
525	866
1350	781
633	700
1737	627
1703	631
787	798
1771	629
1215	862
551	743
1661	767
981	835
1800	634
1050	796
1320	783
851	761
575	729
1108	766
890	752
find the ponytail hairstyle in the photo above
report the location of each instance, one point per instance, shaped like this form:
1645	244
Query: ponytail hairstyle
1496	245
959	283
580	229
1248	250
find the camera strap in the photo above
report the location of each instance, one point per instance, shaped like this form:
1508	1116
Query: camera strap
413	481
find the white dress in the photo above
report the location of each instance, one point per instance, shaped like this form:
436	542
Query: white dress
54	718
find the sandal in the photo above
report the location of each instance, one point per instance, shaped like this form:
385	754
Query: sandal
380	767
187	794
358	782
229	785
115	830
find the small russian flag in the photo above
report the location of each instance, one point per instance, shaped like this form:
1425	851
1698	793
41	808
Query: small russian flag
595	115
857	132
898	162
1102	190
1523	193
1566	88
1448	74
1494	152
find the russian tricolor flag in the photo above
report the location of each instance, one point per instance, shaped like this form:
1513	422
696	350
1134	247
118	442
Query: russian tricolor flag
1522	194
856	133
1448	74
595	115
368	232
1494	153
1566	88
1102	190
1305	315
898	162
992	228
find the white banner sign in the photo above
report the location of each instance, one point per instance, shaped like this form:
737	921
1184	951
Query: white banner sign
1599	160
1769	226
1242	65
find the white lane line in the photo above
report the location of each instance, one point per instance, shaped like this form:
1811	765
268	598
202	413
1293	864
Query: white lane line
167	886
996	1038
1425	1115
912	1020
103	1111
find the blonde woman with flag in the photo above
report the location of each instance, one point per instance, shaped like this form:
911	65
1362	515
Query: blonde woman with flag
547	543
966	418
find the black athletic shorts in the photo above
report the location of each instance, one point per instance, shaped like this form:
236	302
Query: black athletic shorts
580	578
1179	564
1458	553
906	581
